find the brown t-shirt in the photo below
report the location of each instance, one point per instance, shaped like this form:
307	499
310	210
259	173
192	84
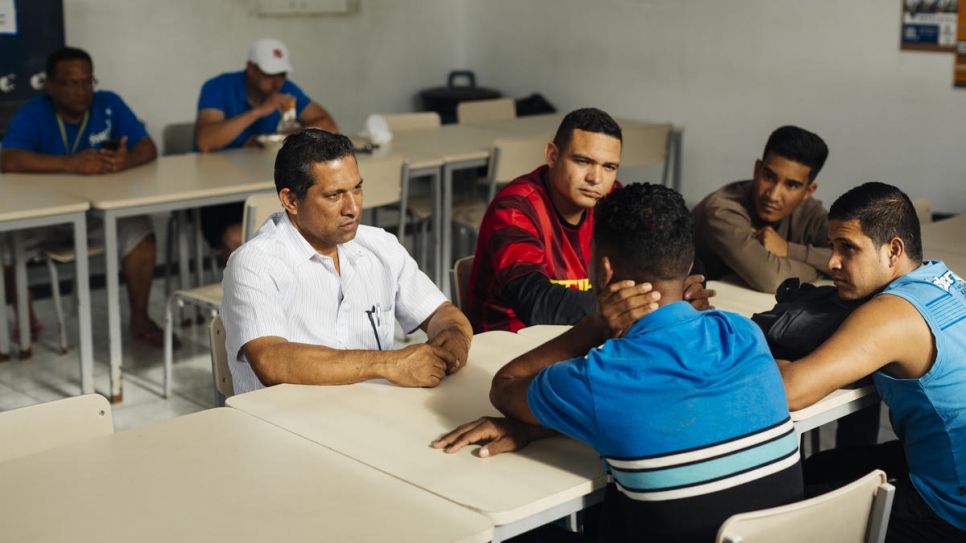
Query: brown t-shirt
722	237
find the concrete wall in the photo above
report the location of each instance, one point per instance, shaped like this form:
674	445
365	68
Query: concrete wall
731	72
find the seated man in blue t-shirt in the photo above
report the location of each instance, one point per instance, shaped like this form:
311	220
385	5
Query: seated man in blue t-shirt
686	407
73	128
236	107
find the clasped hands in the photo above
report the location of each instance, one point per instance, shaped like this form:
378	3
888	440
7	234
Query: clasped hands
96	161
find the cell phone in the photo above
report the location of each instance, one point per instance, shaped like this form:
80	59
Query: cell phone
111	145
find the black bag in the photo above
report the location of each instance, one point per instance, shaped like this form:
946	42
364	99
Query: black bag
804	317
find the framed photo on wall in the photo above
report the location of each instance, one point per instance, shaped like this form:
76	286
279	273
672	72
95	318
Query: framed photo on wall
929	25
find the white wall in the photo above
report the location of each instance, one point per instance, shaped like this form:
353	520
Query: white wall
731	72
157	53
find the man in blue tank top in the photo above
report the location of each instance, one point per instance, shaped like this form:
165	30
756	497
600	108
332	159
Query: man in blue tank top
911	336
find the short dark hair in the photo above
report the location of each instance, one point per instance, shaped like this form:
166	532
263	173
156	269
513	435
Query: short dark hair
61	55
646	231
884	212
293	164
588	119
800	145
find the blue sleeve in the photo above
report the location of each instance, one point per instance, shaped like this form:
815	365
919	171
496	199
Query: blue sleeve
24	131
126	123
213	95
560	398
301	100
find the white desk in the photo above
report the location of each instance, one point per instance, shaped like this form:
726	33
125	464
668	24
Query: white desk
390	428
836	405
27	205
217	475
171	183
948	235
732	295
543	332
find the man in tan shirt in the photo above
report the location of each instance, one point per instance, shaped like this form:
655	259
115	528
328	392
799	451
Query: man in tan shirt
768	229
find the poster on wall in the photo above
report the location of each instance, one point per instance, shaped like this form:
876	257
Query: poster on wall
29	31
959	71
929	25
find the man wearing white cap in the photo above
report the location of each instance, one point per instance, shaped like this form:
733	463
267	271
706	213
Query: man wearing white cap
235	108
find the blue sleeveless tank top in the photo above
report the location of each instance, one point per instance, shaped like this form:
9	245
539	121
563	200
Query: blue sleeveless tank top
929	413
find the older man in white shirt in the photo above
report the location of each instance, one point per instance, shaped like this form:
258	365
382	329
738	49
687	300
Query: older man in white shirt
313	297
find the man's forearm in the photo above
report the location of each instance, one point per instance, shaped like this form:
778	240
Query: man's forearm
212	136
23	161
299	363
448	317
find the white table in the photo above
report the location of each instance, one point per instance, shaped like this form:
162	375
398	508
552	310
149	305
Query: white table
734	296
390	428
170	183
217	475
948	235
543	332
27	205
836	405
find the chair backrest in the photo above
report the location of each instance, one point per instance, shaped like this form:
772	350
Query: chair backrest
258	208
485	110
410	121
644	145
40	427
179	138
219	362
461	276
858	512
512	157
923	210
382	180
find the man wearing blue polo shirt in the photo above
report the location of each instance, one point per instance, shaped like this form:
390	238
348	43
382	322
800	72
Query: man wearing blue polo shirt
72	128
685	407
236	107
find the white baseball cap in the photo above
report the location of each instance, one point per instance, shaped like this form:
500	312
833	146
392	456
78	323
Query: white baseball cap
270	55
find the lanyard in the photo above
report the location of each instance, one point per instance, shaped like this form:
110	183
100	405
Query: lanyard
80	132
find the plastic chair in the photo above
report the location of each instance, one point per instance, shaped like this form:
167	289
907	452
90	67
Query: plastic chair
858	512
485	110
923	210
509	158
419	207
461	276
178	138
45	426
221	375
411	121
258	207
645	145
63	255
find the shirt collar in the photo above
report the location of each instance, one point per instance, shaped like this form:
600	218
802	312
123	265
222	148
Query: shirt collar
350	250
667	315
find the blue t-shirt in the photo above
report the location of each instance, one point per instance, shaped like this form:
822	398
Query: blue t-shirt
688	411
34	126
929	413
226	93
